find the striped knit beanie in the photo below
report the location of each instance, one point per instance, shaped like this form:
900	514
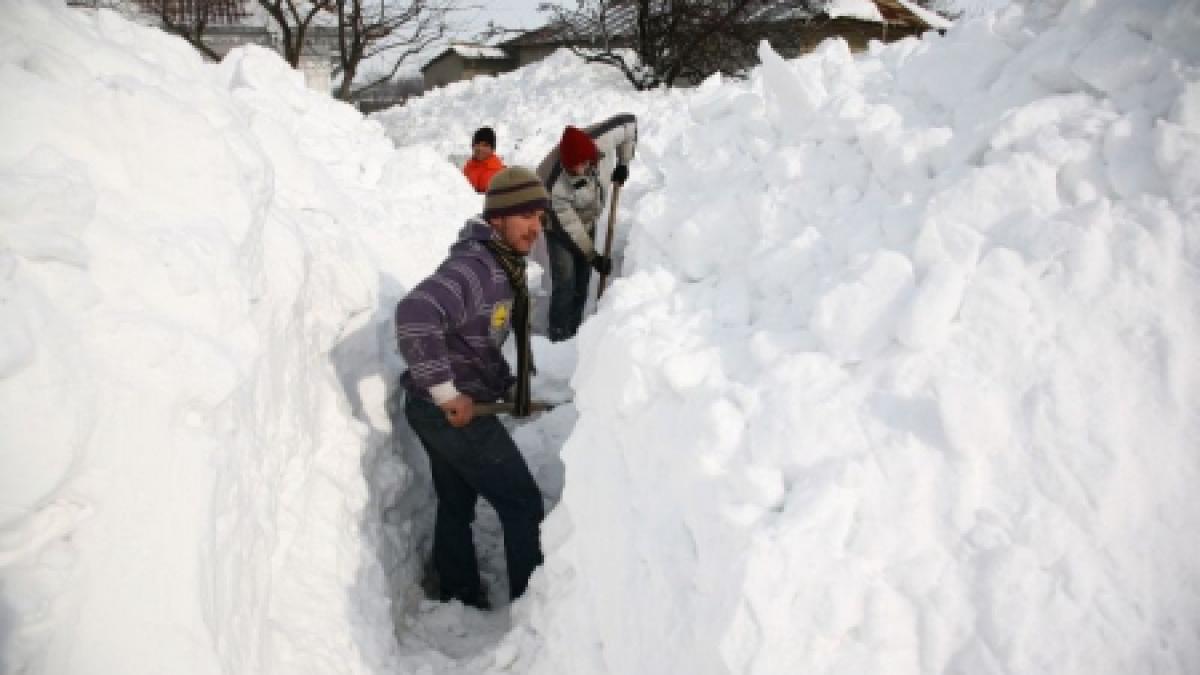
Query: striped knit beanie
514	190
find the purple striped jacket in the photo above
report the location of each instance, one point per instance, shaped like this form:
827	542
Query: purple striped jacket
449	328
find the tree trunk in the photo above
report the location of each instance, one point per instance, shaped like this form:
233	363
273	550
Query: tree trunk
345	88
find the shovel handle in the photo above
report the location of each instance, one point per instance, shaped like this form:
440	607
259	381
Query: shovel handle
506	407
612	217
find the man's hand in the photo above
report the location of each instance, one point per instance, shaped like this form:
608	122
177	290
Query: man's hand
459	410
620	174
602	264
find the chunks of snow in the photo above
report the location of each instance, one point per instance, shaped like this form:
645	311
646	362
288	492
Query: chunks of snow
856	319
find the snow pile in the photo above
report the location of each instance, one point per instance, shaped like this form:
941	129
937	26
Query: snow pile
528	108
903	375
197	269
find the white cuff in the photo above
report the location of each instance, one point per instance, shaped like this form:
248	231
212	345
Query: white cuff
443	392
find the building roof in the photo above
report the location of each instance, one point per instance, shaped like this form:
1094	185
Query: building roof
929	17
470	52
548	34
892	12
863	10
479	52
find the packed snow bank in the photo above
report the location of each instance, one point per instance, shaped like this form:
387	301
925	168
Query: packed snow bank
197	269
903	375
527	108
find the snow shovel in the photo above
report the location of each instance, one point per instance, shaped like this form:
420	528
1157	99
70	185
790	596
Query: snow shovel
612	217
506	407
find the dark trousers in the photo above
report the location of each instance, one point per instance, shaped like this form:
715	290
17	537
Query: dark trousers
478	459
570	274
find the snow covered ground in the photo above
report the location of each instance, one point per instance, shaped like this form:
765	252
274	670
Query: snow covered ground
900	375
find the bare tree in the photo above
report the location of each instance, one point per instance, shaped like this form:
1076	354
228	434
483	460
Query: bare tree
665	42
602	31
294	19
391	31
189	19
365	31
688	41
662	42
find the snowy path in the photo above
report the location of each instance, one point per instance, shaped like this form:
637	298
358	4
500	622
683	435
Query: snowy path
449	638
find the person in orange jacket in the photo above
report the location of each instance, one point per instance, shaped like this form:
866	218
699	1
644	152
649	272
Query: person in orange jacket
484	162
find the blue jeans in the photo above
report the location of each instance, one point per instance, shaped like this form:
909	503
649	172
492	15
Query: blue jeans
570	275
478	459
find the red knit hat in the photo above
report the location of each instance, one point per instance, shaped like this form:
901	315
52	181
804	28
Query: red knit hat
576	147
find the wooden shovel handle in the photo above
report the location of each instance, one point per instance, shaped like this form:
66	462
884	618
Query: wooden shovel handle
612	217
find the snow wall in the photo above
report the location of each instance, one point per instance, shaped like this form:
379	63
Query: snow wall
198	264
903	375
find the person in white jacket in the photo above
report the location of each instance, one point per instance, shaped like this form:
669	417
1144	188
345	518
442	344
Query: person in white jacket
578	190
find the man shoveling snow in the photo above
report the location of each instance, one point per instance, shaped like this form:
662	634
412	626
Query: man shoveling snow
577	195
450	329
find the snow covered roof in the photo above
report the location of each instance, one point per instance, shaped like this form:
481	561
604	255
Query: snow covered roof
904	12
478	52
910	13
470	52
538	36
864	10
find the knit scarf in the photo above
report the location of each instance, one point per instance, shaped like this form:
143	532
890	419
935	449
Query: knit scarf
513	265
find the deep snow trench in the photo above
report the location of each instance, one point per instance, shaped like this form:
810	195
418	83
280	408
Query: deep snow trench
450	637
